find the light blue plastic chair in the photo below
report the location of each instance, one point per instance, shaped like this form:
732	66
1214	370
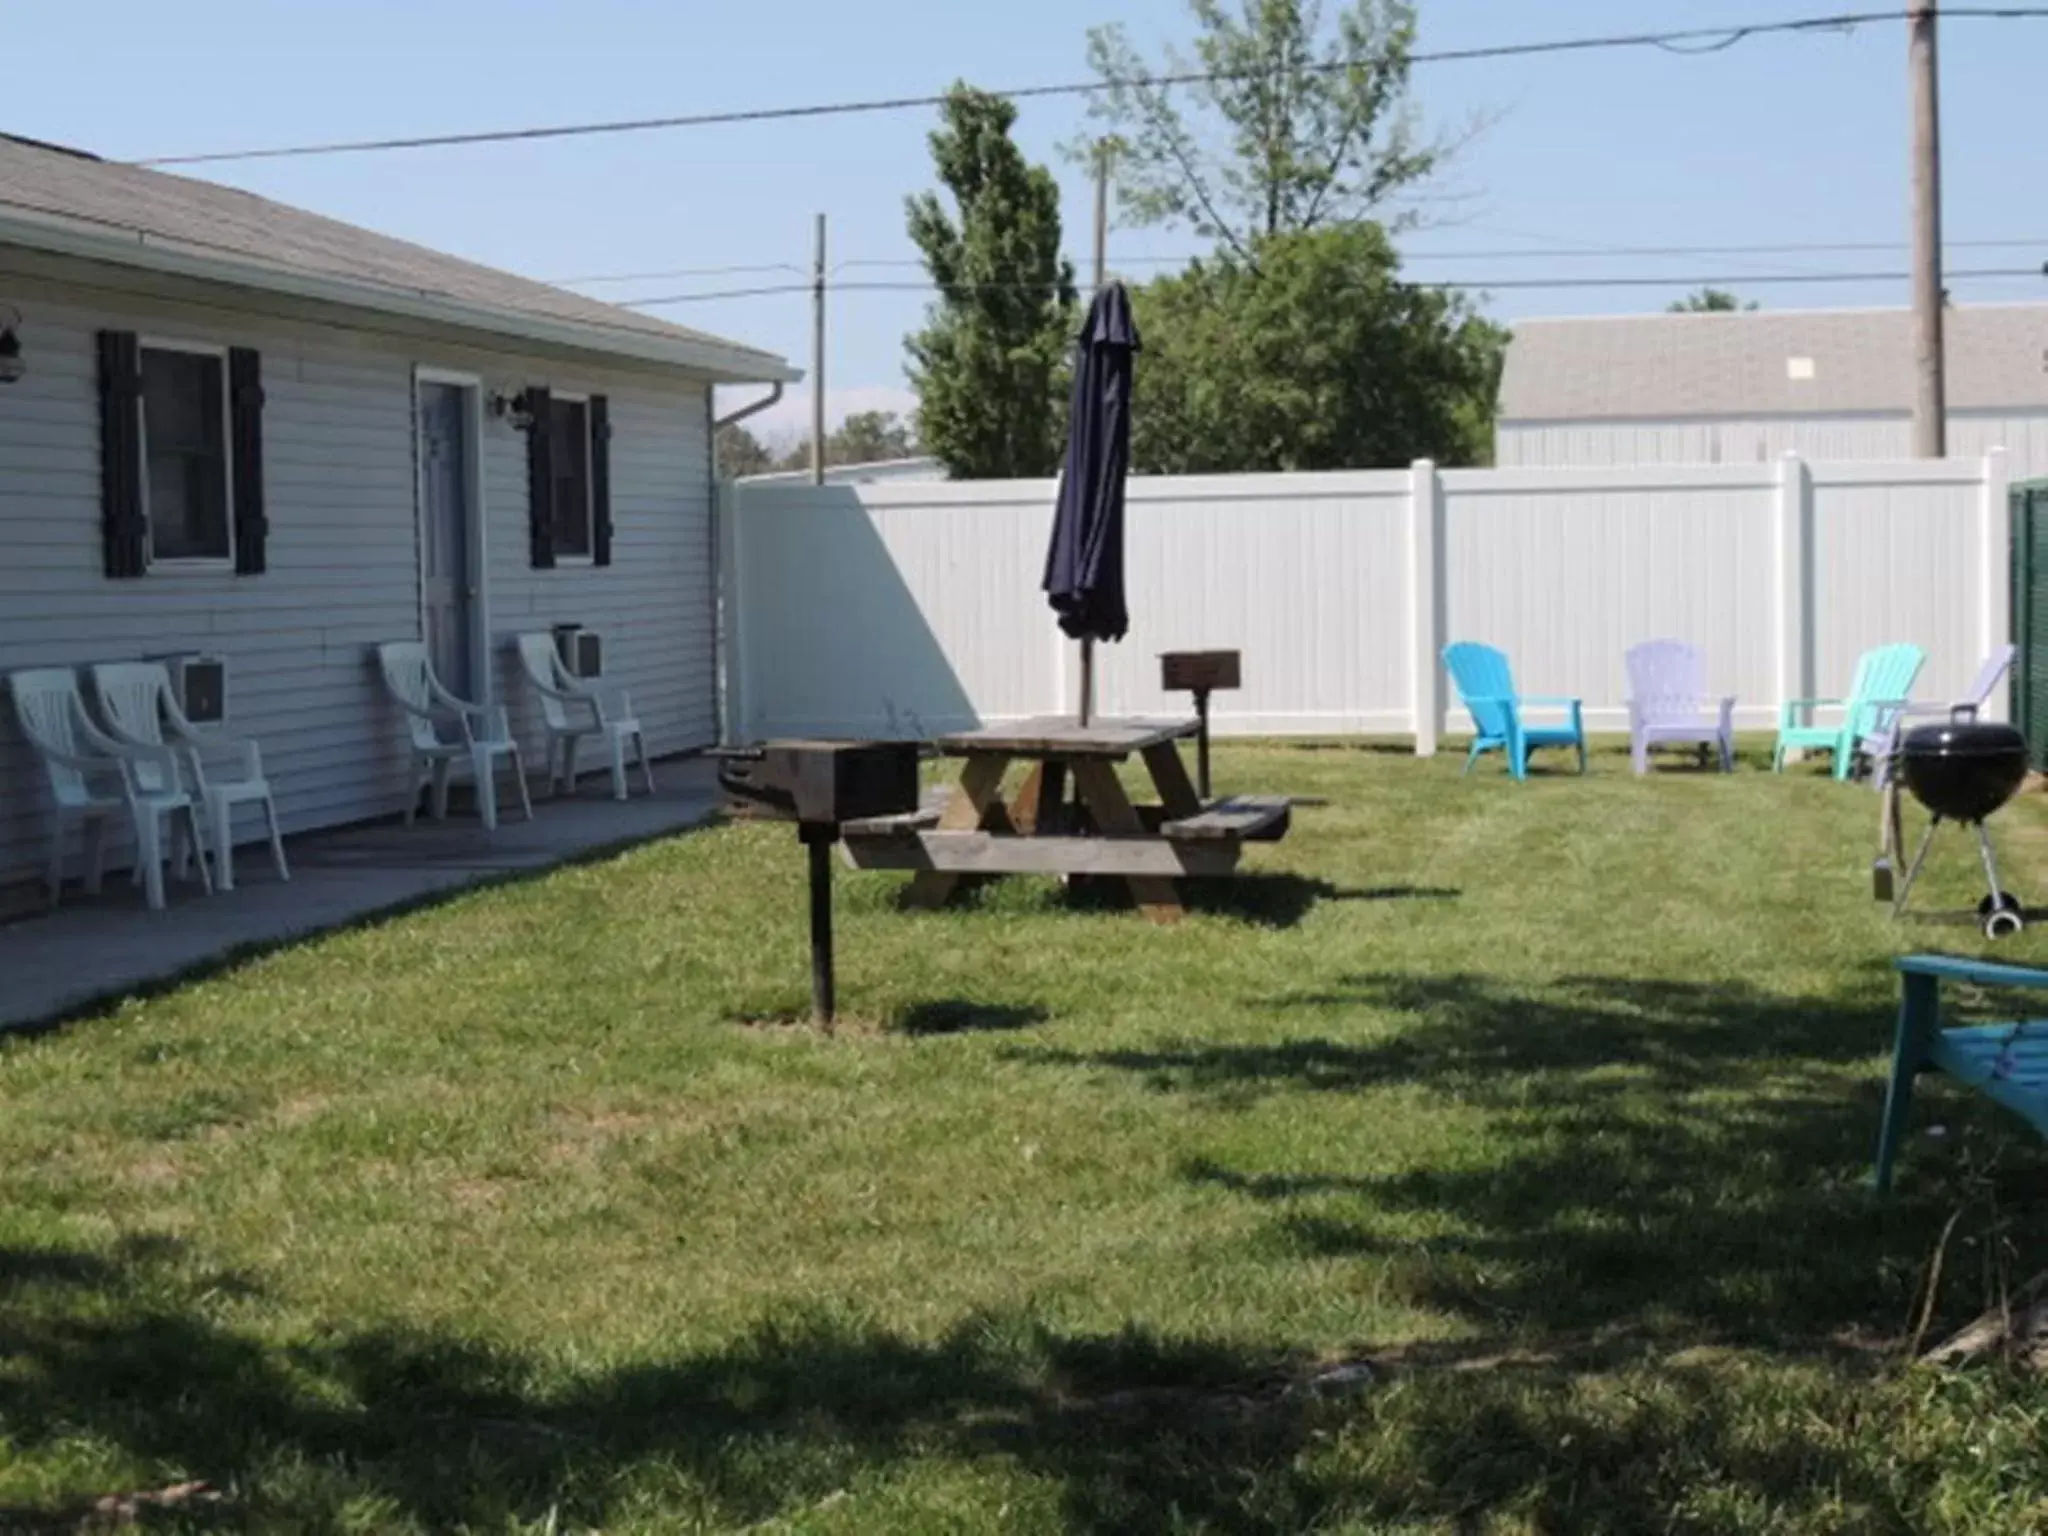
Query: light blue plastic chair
1487	687
1881	690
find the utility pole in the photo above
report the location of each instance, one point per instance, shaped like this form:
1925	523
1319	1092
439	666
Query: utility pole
1930	382
818	357
1102	153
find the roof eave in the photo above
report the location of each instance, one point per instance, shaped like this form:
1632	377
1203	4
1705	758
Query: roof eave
720	364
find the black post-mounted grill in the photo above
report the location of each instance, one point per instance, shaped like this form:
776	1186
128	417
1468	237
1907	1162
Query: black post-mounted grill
1200	673
822	785
1964	770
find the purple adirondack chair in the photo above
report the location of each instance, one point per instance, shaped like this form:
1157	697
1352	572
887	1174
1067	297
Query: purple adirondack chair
1879	745
1668	704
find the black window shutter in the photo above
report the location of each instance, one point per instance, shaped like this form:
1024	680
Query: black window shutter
600	480
245	445
124	534
540	478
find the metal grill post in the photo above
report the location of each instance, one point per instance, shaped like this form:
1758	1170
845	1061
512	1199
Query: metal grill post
818	838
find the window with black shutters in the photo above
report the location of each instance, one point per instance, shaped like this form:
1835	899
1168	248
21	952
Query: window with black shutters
186	489
569	458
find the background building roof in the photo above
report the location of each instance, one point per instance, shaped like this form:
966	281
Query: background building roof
1767	363
59	199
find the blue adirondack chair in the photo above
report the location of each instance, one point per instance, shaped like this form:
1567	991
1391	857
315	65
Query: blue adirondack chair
2007	1061
1488	688
1882	686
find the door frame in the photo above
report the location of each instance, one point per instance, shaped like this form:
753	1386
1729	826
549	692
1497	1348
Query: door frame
482	663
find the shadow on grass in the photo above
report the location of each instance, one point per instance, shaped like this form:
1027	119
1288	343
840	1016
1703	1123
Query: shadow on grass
1375	747
1138	1433
1484	1042
959	1016
1684	1160
1262	900
1121	1432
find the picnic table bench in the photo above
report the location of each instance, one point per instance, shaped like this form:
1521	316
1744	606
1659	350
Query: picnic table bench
973	830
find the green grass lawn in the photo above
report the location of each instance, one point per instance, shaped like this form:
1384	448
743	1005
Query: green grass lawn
1550	1104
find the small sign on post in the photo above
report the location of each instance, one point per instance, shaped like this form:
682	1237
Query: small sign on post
1200	673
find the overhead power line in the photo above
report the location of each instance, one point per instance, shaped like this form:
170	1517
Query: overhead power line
1574	253
1691	40
1749	280
668	272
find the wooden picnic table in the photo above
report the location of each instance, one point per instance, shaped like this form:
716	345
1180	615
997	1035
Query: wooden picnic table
974	831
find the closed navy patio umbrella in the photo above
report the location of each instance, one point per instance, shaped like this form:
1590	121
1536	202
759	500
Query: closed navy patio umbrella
1084	567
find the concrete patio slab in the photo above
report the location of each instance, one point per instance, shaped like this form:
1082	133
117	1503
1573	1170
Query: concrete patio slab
95	948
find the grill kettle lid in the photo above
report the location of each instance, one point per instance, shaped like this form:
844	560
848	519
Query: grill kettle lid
1963	738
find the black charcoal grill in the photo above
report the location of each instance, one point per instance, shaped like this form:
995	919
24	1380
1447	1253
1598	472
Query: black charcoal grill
1964	770
821	785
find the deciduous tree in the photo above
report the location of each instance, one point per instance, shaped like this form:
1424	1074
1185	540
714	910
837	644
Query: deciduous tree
1309	352
866	437
741	453
989	364
1709	301
1304	121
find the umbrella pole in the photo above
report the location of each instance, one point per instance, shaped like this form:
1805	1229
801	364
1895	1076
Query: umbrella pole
1087	680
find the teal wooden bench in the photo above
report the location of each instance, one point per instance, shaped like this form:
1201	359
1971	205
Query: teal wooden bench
2006	1062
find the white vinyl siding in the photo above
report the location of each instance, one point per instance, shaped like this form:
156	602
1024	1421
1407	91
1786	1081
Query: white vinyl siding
343	550
653	604
1760	439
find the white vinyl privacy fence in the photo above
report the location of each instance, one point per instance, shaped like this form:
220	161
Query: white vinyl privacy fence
903	610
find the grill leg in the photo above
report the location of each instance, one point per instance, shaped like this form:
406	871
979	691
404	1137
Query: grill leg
1913	870
1990	866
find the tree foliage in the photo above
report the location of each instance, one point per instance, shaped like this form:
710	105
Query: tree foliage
864	437
989	364
1306	125
868	437
1709	301
1309	353
740	453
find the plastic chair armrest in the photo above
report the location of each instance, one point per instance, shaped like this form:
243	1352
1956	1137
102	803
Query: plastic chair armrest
203	744
454	703
1574	708
572	698
131	756
117	735
1985	973
1884	714
80	762
1791	709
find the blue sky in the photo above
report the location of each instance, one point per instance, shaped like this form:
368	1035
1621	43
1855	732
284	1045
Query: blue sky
1780	139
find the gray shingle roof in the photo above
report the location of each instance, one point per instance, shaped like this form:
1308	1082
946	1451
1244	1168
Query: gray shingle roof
49	192
1667	366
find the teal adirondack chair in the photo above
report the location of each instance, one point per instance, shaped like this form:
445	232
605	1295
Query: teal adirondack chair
1487	686
1883	683
2006	1061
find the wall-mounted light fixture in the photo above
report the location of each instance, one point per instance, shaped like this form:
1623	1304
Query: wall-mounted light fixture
11	365
513	410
